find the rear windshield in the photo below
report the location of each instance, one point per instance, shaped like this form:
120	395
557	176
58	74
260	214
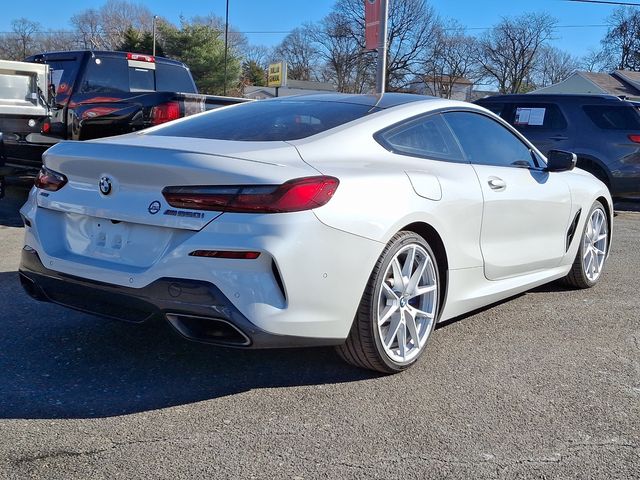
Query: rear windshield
116	74
613	117
267	120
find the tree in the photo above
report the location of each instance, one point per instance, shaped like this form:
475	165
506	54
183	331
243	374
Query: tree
253	74
411	30
452	58
139	42
621	45
508	52
553	66
597	61
105	27
22	41
345	64
300	53
201	47
88	27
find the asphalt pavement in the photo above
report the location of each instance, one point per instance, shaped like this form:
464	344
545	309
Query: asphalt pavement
545	385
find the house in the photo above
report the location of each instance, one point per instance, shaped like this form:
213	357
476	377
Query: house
456	88
621	83
293	87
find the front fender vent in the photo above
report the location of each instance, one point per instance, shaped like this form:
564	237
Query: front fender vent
572	229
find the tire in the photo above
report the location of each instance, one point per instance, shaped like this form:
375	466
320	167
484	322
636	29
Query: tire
593	249
407	305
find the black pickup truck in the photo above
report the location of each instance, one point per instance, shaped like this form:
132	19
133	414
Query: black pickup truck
82	95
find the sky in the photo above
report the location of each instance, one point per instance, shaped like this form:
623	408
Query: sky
580	25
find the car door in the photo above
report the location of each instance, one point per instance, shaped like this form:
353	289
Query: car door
543	124
526	209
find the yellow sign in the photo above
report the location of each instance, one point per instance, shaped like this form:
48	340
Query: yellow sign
277	75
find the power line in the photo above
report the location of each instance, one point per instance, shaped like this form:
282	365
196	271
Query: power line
606	2
283	32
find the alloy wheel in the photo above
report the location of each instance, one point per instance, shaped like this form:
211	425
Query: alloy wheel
407	303
594	244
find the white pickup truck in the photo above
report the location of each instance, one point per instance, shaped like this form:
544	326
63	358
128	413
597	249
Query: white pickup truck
23	108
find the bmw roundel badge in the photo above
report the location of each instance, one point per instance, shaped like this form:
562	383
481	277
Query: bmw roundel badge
154	207
105	185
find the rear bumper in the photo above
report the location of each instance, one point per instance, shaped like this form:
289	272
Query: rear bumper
198	310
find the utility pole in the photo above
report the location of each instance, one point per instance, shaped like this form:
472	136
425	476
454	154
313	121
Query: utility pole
155	18
226	48
381	73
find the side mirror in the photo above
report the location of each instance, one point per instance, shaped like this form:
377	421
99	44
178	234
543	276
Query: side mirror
561	161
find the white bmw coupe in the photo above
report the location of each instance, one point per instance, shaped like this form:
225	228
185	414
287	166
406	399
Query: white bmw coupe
350	220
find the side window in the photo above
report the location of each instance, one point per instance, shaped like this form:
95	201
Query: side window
613	117
105	75
537	116
173	78
486	142
427	137
496	107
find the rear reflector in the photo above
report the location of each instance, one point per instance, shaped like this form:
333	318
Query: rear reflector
292	196
634	138
225	254
165	112
50	180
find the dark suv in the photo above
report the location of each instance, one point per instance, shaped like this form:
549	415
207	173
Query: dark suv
603	131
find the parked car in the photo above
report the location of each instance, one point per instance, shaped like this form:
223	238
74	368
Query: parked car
603	131
351	220
91	94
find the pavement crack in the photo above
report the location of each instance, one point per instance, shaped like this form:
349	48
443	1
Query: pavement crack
70	453
58	454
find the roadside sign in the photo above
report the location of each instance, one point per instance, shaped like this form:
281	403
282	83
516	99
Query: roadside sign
372	14
277	75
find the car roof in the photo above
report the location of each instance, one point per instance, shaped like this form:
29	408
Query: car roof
550	97
383	101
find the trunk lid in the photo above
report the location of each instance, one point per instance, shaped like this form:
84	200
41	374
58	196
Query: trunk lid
138	167
131	227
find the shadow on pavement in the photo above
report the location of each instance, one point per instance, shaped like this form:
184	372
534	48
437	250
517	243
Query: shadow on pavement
56	363
16	195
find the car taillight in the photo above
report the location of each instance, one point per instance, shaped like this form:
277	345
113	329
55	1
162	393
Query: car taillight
292	196
165	112
634	138
50	180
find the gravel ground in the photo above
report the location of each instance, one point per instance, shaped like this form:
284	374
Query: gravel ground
546	385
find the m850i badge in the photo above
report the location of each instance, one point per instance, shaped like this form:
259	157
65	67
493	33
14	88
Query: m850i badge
182	213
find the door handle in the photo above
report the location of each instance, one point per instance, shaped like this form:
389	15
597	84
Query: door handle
559	137
497	184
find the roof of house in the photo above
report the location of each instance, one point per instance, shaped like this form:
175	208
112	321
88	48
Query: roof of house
611	83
